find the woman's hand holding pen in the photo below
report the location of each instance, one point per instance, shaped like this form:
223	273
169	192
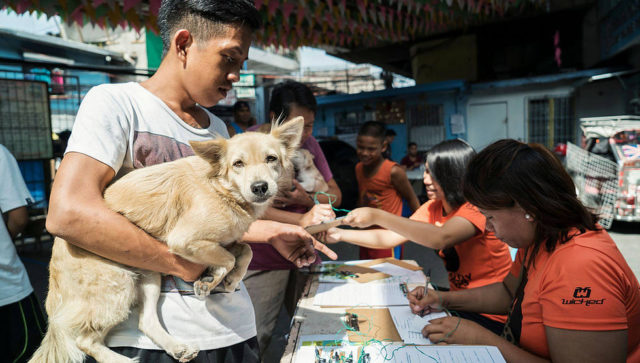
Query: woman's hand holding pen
421	303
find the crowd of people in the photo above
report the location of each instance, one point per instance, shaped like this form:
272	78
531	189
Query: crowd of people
568	296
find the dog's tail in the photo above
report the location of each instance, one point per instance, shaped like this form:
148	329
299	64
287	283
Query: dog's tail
57	347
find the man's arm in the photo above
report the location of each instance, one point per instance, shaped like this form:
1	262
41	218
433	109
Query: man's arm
403	186
79	215
317	214
292	242
16	220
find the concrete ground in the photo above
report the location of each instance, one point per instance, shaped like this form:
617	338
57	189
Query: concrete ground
626	236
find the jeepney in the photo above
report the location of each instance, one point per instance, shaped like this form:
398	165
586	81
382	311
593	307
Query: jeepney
614	138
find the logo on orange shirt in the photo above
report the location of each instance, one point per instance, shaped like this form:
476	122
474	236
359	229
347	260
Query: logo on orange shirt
581	297
582	292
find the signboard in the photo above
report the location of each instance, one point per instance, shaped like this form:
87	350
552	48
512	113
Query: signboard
246	80
25	120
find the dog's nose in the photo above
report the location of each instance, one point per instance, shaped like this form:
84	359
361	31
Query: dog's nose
259	188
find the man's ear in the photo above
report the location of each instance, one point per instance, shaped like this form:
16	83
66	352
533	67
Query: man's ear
181	41
213	151
289	133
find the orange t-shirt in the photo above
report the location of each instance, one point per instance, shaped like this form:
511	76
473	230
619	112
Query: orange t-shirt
482	260
584	284
378	192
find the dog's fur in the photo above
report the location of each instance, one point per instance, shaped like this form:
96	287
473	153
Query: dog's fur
305	171
200	206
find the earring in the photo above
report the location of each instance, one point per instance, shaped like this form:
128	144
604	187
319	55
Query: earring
527	216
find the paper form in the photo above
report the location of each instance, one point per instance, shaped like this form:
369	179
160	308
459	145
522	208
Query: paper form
359	295
409	325
378	353
400	273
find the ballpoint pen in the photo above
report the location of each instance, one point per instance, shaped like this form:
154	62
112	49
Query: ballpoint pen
426	287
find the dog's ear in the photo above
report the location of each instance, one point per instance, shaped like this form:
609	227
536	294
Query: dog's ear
212	151
289	133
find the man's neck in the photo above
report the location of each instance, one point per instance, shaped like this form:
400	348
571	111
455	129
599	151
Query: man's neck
175	97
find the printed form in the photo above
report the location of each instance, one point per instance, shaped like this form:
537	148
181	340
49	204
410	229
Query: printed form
409	325
360	295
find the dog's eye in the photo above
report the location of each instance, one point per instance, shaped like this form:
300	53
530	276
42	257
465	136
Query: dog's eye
238	164
271	158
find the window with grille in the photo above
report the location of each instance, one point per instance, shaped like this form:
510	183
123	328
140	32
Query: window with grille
551	121
426	123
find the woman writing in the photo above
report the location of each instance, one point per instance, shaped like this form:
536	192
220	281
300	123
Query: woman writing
570	295
473	256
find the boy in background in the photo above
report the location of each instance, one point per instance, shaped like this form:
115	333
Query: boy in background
382	183
412	160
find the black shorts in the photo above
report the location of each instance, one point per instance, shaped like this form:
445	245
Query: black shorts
247	351
22	327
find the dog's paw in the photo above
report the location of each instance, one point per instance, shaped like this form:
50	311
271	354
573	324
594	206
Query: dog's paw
183	352
229	284
202	287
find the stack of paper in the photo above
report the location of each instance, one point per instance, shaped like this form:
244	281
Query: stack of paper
362	295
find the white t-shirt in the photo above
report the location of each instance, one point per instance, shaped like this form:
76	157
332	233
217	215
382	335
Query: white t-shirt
14	280
127	127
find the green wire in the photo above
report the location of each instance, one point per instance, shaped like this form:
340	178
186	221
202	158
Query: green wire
35	316
329	196
26	333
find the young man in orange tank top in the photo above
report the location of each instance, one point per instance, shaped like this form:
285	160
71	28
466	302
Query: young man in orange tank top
382	183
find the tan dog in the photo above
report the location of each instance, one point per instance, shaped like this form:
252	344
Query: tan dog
305	171
200	206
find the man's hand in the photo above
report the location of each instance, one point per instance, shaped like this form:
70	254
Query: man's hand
297	196
421	303
455	330
361	217
298	246
318	214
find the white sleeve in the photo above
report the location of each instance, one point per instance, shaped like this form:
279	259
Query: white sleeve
101	128
13	190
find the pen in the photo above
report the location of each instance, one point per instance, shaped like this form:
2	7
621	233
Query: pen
426	286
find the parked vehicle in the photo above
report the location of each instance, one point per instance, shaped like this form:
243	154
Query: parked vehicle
615	138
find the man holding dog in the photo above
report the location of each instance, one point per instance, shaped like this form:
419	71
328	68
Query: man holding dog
126	126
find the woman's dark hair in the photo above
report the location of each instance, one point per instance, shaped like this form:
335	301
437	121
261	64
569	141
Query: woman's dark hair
447	163
240	104
204	18
509	172
287	93
374	129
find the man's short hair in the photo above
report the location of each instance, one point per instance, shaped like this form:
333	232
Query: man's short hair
390	132
373	128
204	19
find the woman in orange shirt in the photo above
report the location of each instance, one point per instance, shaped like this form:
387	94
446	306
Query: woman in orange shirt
571	296
473	256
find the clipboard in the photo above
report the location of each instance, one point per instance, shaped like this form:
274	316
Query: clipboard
321	227
372	324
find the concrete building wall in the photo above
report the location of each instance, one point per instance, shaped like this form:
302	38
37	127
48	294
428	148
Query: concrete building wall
513	103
